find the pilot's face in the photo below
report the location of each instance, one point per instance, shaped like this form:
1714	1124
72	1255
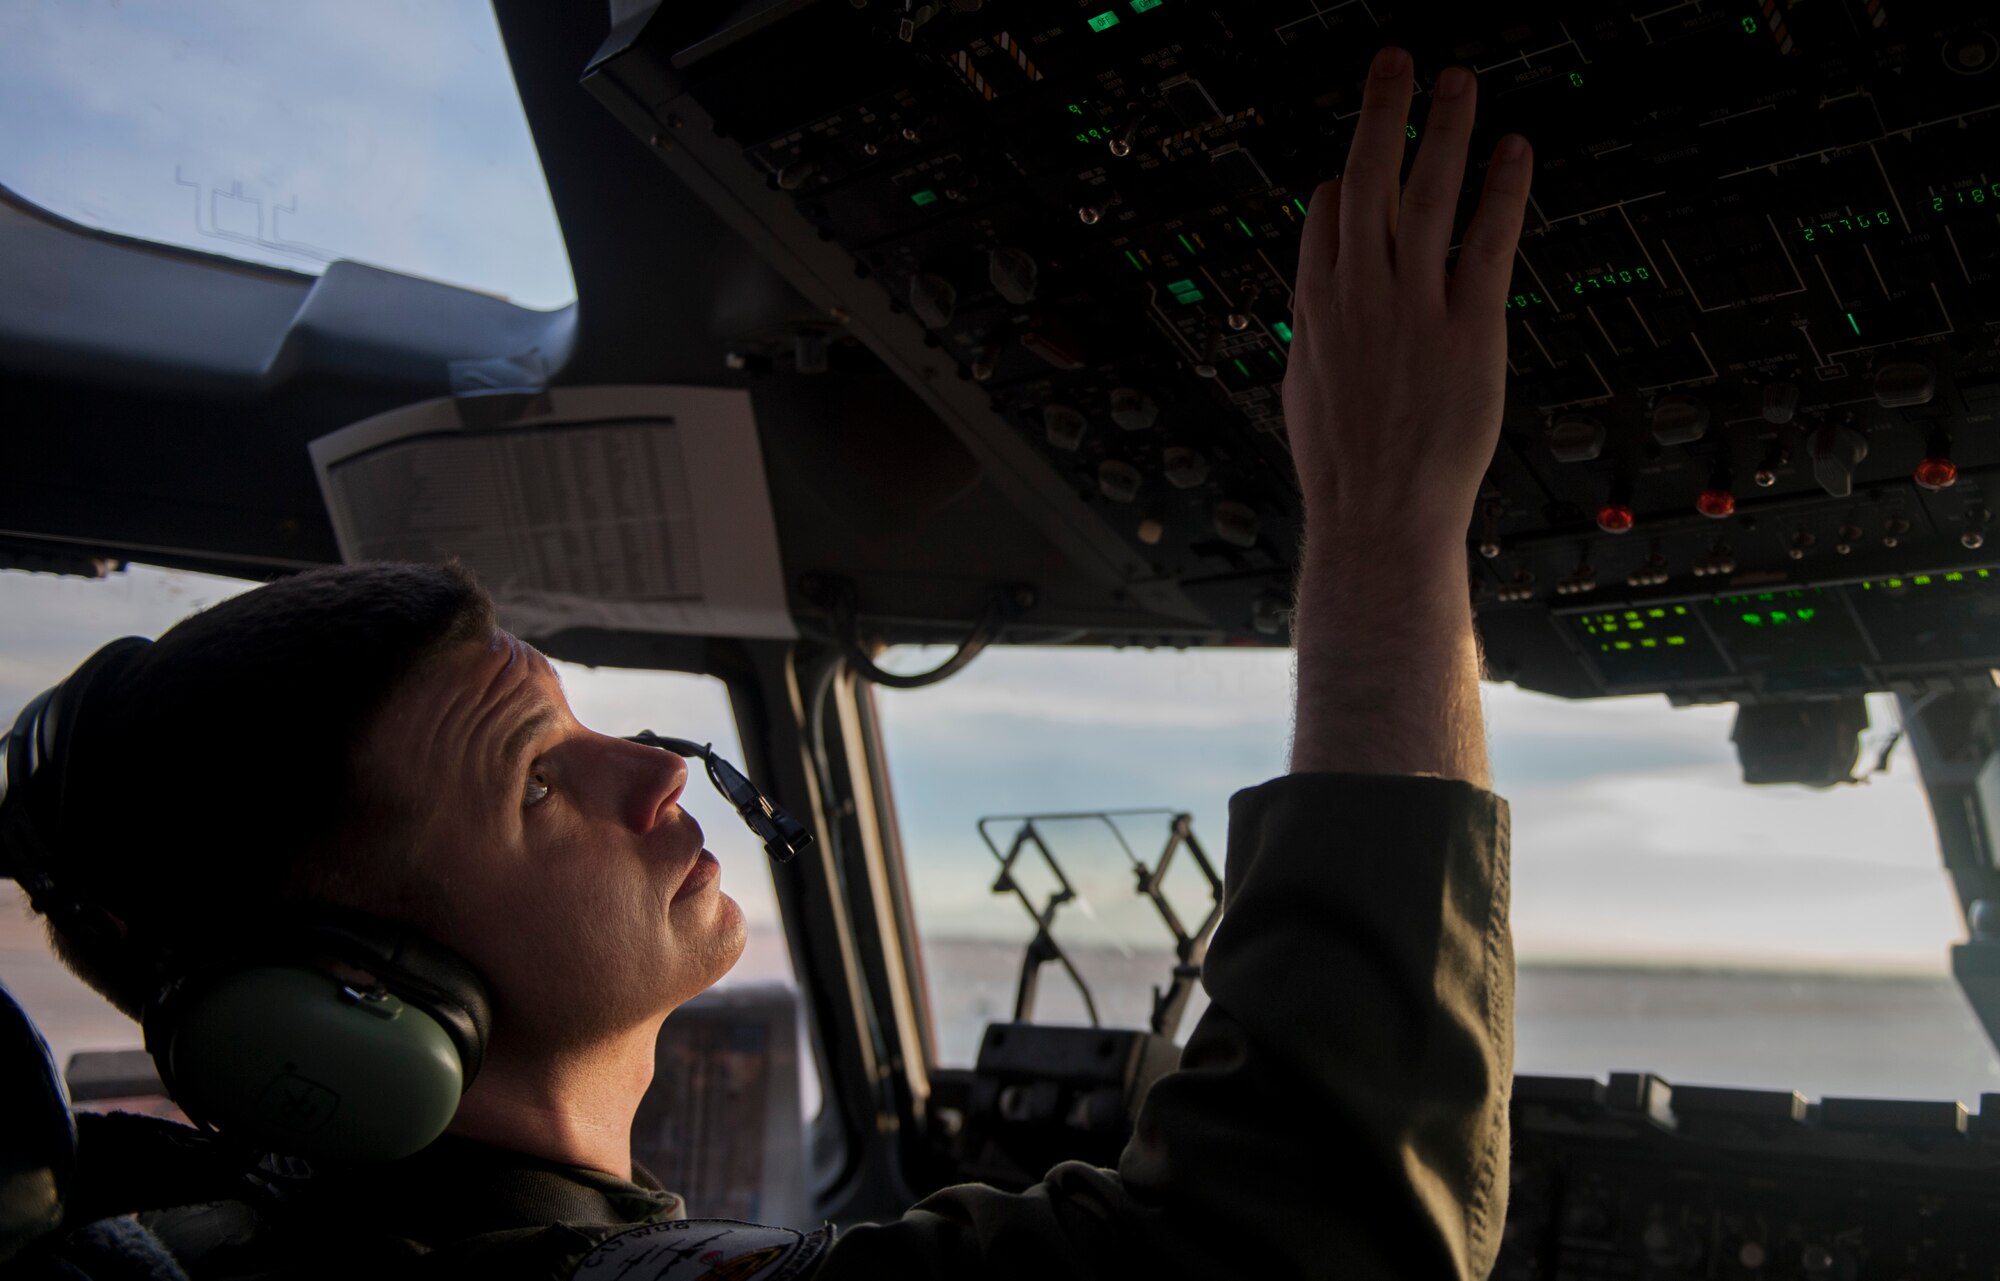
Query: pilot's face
559	860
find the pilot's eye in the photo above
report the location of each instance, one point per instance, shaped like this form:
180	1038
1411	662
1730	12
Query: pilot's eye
537	789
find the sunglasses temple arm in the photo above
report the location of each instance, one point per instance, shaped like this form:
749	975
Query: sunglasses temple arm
783	835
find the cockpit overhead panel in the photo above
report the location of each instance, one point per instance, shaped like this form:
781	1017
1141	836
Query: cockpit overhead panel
1753	364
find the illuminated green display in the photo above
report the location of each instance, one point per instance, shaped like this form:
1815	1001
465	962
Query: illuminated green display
1948	616
1927	580
1611	279
1576	79
1283	330
1661	627
1185	291
1092	135
1104	21
1140	6
1838	228
1773	609
1529	299
924	197
1989	194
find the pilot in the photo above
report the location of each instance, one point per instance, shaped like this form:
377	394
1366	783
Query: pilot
355	765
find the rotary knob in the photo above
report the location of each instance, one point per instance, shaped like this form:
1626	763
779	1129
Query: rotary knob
1836	452
1679	419
1132	409
1014	274
933	299
1185	467
1119	481
1576	438
1901	382
1780	402
1235	523
1063	426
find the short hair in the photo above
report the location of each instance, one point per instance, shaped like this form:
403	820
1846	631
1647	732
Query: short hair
221	781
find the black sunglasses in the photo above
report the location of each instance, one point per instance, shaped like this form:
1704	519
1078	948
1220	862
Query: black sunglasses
783	835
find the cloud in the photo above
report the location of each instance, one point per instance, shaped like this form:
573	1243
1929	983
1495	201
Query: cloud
394	129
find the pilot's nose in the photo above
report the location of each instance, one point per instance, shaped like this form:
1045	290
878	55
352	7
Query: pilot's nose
655	779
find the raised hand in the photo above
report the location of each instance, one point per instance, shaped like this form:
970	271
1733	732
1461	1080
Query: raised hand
1394	393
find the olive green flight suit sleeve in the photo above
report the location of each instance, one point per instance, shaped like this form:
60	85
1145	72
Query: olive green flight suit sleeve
1340	1109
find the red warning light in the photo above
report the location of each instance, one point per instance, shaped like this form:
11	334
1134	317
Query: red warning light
1715	503
1937	473
1615	518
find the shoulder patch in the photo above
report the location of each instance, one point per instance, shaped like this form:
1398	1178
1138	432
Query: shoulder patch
705	1250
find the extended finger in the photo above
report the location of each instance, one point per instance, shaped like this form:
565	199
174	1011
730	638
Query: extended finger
1430	198
1486	258
1375	159
1319	250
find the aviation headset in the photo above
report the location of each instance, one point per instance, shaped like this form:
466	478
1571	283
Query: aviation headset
335	1036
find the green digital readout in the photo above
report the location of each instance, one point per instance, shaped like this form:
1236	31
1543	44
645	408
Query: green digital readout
1283	330
1529	299
1838	228
1966	196
1611	279
1774	609
1927	580
1949	616
1799	631
1646	647
924	197
1088	136
1140	6
1660	627
1104	21
1185	291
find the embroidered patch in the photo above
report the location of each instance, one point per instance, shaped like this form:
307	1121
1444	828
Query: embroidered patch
705	1250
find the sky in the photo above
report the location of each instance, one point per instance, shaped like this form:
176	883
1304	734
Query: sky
383	131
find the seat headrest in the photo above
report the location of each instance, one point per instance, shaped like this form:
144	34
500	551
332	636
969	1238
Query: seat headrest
38	1141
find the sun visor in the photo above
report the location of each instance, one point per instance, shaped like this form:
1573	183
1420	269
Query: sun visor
629	508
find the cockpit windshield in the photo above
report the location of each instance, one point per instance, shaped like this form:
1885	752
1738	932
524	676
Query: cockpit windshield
1667	917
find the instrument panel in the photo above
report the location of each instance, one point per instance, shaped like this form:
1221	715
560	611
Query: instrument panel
1753	334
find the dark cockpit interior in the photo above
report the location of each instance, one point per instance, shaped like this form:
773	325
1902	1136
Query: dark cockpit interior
962	323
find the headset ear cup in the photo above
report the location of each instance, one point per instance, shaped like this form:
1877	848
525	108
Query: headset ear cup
292	1060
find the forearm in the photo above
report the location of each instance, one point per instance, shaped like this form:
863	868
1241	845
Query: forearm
1388	664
